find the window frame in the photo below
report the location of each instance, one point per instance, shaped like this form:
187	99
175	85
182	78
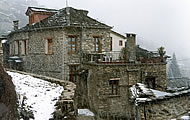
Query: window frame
73	76
150	82
70	44
16	42
1	44
49	46
111	42
23	47
94	47
114	87
120	42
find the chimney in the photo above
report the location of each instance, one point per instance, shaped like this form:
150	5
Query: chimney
131	47
68	15
15	24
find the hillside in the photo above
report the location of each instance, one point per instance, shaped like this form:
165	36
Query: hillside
13	10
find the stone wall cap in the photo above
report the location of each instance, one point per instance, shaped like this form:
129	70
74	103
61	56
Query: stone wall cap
115	79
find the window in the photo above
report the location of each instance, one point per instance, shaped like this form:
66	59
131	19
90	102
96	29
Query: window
73	74
31	19
96	44
23	47
49	46
120	43
11	48
72	44
150	82
16	47
114	87
111	44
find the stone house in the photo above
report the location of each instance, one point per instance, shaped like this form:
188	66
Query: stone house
53	46
68	44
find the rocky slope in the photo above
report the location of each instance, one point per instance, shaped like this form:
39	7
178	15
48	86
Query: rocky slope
8	99
13	10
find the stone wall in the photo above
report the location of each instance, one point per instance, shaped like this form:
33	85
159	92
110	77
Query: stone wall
100	101
165	109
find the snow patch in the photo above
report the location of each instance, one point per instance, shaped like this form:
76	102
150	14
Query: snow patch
158	93
41	95
185	118
85	112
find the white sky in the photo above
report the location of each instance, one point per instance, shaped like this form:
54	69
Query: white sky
156	22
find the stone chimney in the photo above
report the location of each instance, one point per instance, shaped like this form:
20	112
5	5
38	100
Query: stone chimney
15	24
131	47
68	15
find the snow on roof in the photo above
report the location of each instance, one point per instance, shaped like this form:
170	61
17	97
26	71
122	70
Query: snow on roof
43	9
142	99
141	93
85	112
140	90
38	9
3	41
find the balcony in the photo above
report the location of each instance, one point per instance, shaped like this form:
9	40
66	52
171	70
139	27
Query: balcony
103	57
116	57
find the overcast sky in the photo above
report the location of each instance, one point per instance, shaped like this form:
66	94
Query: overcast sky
156	22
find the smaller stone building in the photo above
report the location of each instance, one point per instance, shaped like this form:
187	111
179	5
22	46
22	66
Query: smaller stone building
103	86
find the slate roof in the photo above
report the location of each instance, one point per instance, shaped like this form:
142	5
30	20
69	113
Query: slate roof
64	18
114	32
141	52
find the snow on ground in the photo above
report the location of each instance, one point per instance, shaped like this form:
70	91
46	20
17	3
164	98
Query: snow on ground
185	118
85	112
40	94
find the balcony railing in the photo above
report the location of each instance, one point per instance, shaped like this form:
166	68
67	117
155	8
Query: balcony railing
112	56
119	57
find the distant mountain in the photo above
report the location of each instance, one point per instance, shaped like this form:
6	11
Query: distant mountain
11	10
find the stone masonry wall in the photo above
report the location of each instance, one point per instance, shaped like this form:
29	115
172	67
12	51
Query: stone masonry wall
36	60
165	109
117	106
57	64
87	39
